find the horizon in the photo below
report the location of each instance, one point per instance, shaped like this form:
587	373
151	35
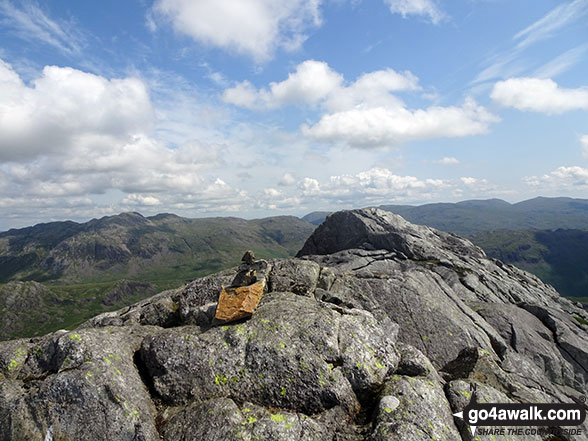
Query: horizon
203	110
299	216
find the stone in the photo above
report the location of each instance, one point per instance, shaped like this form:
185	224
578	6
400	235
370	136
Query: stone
238	302
248	257
377	332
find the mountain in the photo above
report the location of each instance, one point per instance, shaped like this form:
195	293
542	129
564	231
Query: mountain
111	262
316	217
379	330
469	217
130	245
558	257
520	234
472	216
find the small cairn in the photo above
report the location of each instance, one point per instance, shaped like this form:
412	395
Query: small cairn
239	300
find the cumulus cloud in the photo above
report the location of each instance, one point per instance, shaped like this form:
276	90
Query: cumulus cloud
375	185
315	82
539	95
255	28
141	200
448	160
426	8
563	178
388	126
66	108
365	112
312	82
72	136
584	143
287	180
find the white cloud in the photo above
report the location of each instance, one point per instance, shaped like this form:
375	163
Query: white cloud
30	22
448	160
272	193
539	95
141	200
561	179
376	185
315	82
388	126
363	113
66	108
584	143
562	63
252	27
556	19
510	63
287	180
372	90
312	82
426	8
73	136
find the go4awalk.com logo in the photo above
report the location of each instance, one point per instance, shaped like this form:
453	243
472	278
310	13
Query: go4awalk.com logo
507	418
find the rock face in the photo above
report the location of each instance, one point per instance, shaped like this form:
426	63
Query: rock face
377	331
238	302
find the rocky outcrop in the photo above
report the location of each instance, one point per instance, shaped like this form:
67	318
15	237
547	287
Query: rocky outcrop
21	302
377	331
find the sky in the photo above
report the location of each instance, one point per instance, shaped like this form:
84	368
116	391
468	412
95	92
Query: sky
254	108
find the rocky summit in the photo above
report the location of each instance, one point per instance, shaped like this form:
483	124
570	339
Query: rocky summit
378	330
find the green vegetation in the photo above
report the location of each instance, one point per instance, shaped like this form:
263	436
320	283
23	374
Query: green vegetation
469	217
557	257
58	275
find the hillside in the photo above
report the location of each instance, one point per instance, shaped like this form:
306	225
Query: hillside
469	217
380	330
132	246
494	214
558	257
107	263
520	234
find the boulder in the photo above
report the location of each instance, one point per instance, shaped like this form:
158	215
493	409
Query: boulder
379	330
238	302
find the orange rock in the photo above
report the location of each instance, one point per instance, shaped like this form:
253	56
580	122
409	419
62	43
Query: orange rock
237	302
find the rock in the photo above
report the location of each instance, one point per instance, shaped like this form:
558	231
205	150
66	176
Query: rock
294	275
239	302
374	229
459	394
248	258
21	302
376	332
413	362
68	382
422	412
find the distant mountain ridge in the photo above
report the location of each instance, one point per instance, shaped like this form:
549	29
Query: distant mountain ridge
473	216
130	245
104	264
545	236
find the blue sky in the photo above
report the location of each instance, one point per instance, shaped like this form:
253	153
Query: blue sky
253	108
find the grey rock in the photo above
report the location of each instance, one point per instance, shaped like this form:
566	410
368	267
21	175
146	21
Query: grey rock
459	394
68	382
297	276
248	257
422	412
376	332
